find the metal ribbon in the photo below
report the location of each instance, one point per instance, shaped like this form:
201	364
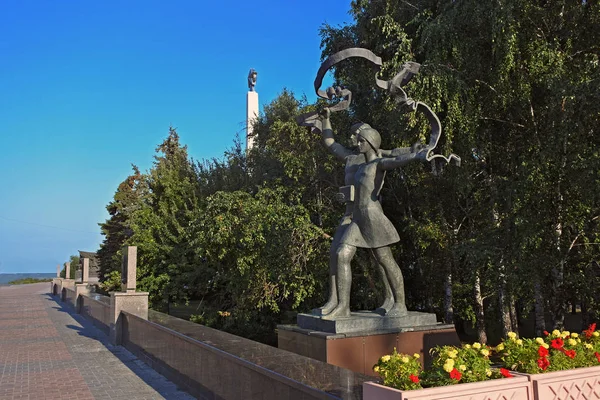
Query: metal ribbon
394	86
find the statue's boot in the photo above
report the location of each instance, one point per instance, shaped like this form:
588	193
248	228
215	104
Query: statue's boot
386	306
327	308
398	310
339	312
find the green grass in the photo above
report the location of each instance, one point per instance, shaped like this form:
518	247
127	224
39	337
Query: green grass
29	280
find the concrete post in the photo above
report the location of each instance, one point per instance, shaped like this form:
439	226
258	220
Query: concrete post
67	270
128	299
58	268
66	282
129	269
85	270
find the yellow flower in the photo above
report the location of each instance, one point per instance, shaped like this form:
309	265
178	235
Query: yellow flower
565	334
485	352
556	332
512	335
578	340
572	342
519	342
575	335
588	346
376	368
467	346
477	345
452	353
450	362
448	367
500	347
596	334
462	367
404	359
546	345
416	355
488	372
539	340
385	358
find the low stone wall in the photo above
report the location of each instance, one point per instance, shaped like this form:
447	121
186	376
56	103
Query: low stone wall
211	364
96	308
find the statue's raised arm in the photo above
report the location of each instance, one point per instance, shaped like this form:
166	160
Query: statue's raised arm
337	149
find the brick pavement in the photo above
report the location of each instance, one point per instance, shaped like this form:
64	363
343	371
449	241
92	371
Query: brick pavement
47	351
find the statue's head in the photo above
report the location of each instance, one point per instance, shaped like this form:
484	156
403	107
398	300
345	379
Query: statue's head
371	136
355	130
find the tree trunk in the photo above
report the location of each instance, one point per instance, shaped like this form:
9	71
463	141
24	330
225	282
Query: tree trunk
448	309
479	312
504	309
514	317
540	320
558	301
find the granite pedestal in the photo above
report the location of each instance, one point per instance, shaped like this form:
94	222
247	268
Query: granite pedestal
358	341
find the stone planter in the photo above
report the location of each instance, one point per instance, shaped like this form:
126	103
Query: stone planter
516	388
580	383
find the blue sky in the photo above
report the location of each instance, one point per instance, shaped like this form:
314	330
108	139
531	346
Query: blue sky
89	87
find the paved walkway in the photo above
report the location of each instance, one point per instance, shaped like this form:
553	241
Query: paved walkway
47	351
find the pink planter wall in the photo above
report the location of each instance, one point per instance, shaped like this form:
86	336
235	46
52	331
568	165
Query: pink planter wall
517	388
581	383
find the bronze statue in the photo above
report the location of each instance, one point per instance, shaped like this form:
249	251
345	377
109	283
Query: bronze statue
364	224
252	79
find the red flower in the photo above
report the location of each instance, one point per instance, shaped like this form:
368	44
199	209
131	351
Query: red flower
570	353
557	343
506	373
542	351
590	330
455	374
597	356
414	378
546	333
543	363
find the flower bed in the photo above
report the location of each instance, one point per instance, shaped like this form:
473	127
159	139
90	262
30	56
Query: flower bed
561	365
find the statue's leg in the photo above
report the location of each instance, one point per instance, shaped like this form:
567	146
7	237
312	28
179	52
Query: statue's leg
388	302
394	276
333	270
345	253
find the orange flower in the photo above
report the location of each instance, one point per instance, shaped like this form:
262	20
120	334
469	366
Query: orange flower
413	378
542	351
506	373
543	363
589	332
557	343
455	374
570	353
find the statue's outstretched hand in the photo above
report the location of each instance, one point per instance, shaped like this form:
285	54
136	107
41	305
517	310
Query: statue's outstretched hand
418	146
422	153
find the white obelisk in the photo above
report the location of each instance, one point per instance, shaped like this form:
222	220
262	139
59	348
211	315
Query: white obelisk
251	108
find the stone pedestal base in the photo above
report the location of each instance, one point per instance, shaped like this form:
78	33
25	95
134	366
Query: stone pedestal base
360	351
135	303
365	321
55	286
64	284
80	288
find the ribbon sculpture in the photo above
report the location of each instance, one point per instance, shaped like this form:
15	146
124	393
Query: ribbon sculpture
394	86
